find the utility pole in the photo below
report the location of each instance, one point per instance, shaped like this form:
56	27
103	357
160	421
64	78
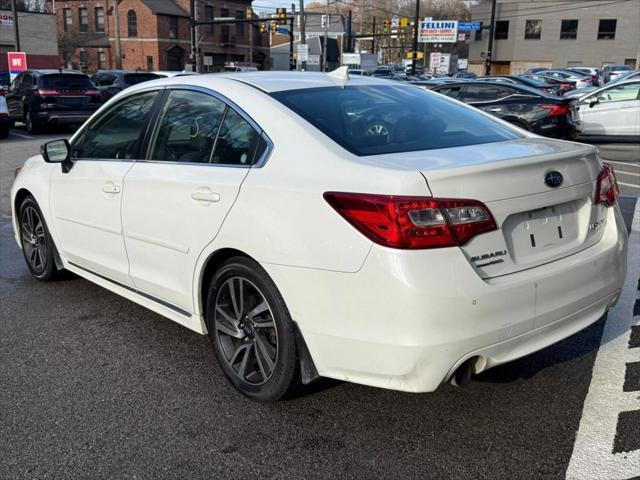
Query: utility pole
489	54
291	62
116	19
303	35
16	30
250	16
414	53
349	49
326	38
373	37
192	18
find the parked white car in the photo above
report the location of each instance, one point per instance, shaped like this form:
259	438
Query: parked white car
5	121
318	225
612	112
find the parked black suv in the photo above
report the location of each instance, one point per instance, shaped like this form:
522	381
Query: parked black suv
41	98
110	82
525	107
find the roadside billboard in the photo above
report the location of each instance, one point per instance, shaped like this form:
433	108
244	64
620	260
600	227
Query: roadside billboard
17	62
438	31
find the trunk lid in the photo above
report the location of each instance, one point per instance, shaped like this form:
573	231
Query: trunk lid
537	223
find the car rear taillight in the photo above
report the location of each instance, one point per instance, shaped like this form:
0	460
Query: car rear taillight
556	110
567	86
413	222
47	92
607	189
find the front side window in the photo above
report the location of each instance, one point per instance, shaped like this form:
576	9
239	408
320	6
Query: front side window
484	93
533	29
607	29
451	92
380	119
132	24
621	93
502	30
99	19
114	134
187	128
83	17
569	30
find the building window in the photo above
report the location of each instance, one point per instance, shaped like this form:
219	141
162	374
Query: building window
99	19
149	63
224	12
533	29
83	58
83	18
569	30
479	33
208	16
502	30
607	29
239	26
132	23
102	60
68	19
173	27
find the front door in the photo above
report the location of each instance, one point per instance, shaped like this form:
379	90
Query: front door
176	201
616	112
86	201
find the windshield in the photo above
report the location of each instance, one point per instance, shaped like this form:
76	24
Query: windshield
59	81
373	120
135	78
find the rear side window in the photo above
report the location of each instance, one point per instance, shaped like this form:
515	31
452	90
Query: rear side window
236	141
484	93
453	92
61	81
379	119
114	134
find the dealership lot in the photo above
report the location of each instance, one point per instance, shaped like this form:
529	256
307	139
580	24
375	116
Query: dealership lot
96	386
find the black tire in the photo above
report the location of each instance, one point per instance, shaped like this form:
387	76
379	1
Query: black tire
31	124
251	350
37	245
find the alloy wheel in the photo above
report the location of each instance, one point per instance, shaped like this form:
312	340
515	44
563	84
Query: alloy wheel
246	331
34	239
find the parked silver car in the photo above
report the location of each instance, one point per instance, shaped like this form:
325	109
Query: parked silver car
611	72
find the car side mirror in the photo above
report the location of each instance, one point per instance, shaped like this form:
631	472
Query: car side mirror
58	151
593	102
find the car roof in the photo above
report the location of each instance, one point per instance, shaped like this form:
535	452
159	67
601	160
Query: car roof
53	72
515	86
276	81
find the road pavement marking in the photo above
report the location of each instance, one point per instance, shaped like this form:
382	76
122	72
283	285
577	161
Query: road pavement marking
628	164
622	172
21	135
628	184
593	452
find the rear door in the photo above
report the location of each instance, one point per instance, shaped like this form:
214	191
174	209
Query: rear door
16	97
86	201
175	201
490	98
617	111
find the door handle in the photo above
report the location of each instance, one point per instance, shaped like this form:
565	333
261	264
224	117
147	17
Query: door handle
495	109
205	195
626	106
110	187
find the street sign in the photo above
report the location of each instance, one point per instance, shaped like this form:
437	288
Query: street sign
17	62
303	52
463	63
314	59
395	21
469	26
434	60
438	31
283	30
404	21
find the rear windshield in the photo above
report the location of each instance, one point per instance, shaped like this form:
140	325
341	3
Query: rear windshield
60	80
379	119
135	78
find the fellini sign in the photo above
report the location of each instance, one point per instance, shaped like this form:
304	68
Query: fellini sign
438	31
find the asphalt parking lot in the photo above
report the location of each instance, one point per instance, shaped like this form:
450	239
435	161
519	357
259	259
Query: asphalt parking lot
94	386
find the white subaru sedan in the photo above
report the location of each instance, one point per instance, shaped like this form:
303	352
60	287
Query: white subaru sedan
318	225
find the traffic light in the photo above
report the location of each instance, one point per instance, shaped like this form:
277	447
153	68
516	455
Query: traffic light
262	27
274	28
385	26
281	15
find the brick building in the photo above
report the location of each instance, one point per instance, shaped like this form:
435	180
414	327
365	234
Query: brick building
154	34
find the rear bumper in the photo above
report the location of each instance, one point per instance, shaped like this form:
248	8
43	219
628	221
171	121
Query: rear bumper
406	320
63	117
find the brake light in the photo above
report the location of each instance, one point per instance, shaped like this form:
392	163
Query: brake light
413	222
607	189
47	92
92	92
556	110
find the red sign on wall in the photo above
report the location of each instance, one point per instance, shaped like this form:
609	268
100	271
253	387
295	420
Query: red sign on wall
17	63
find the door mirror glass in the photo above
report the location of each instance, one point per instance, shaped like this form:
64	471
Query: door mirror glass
593	102
56	151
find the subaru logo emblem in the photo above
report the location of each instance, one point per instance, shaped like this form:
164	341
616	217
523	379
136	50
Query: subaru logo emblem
553	179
